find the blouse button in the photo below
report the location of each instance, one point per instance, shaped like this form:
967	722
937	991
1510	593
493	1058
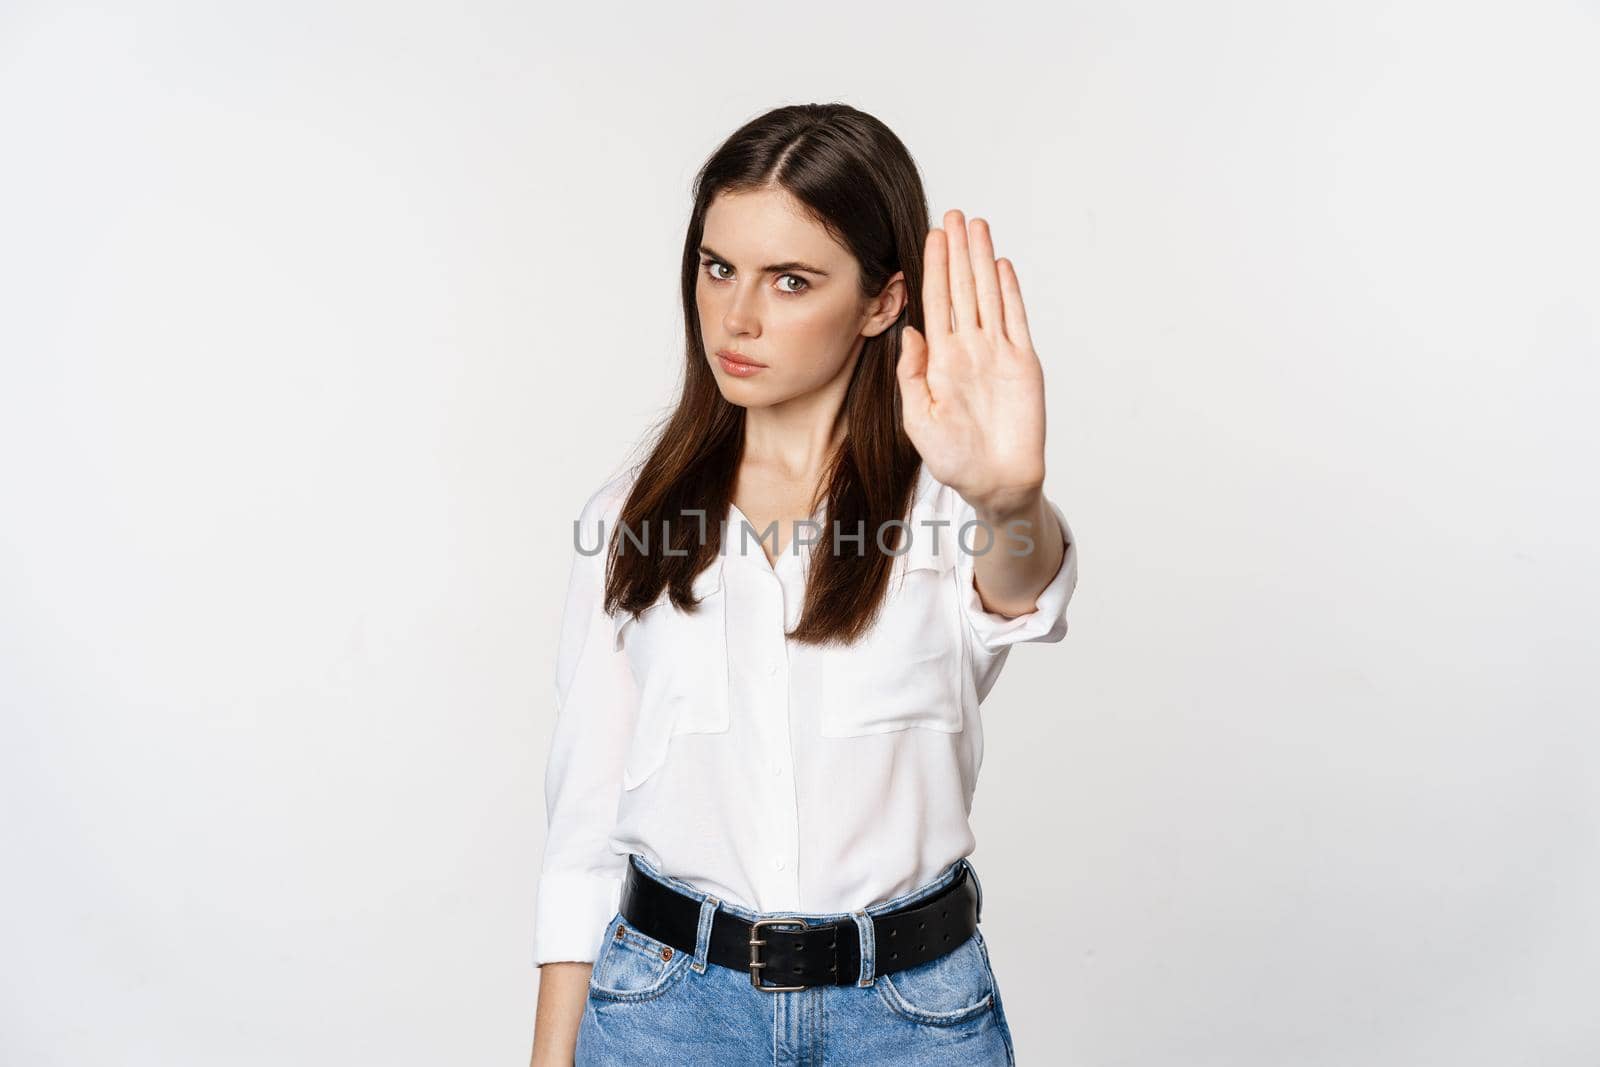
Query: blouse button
778	863
772	669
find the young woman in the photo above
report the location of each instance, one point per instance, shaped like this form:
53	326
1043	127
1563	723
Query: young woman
779	628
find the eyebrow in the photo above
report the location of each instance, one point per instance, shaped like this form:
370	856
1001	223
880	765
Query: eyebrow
770	268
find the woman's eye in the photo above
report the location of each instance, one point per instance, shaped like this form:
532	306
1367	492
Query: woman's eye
801	284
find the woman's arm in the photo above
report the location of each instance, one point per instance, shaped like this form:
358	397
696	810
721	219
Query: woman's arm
580	880
973	389
563	991
1010	585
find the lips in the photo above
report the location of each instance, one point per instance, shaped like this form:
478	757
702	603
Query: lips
734	357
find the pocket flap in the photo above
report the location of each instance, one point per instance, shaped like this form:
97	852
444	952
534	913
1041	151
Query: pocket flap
704	584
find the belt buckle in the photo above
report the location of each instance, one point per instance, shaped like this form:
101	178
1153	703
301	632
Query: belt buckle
756	963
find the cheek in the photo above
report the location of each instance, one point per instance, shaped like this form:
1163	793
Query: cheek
825	332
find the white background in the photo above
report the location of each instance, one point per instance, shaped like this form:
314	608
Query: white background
319	322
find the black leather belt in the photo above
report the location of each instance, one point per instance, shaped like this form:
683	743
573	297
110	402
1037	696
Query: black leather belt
780	957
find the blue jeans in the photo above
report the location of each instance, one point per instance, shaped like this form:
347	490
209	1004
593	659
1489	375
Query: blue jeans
652	1004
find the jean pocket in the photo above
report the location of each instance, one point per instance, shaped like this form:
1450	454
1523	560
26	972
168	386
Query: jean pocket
633	966
955	988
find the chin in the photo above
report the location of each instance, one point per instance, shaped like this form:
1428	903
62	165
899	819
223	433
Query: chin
746	395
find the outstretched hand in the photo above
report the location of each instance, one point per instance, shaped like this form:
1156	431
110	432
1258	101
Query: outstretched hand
972	387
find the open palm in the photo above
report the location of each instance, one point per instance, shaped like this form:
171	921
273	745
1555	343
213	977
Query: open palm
972	387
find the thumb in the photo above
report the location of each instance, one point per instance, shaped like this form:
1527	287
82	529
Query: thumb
912	372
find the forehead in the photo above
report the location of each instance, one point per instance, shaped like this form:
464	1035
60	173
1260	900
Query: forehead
769	226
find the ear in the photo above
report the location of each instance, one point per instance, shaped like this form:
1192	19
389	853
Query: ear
885	308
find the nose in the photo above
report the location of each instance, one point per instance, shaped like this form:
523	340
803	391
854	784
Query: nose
740	318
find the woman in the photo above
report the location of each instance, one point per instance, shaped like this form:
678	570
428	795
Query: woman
767	734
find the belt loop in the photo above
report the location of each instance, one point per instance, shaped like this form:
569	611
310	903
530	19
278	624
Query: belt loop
972	872
702	935
869	948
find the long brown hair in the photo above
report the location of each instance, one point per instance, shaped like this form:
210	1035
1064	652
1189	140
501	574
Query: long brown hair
858	181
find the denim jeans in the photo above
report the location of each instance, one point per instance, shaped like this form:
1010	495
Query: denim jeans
652	1004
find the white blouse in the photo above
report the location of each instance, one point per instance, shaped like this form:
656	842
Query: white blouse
775	775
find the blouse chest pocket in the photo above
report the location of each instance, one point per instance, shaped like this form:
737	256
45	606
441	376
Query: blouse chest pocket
907	670
680	661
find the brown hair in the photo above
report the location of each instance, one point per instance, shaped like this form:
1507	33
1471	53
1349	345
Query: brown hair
858	181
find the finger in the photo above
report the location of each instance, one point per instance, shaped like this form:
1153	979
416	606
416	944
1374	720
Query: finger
912	373
963	299
991	316
936	284
1015	314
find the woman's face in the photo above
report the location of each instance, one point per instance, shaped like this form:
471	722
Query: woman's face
776	288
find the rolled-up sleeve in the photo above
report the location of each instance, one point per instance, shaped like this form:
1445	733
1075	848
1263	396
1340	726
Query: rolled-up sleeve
1046	622
596	701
